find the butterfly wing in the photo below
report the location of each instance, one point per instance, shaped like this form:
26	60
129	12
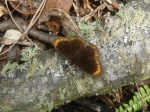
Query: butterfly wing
88	61
68	47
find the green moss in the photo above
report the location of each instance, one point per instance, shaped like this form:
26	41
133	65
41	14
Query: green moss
126	16
45	67
146	21
48	63
4	108
134	17
87	29
46	106
148	69
22	67
33	67
139	17
81	84
28	53
9	67
62	93
134	22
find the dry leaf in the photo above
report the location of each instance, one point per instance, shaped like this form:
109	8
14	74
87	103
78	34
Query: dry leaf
25	7
107	100
59	4
2	10
53	14
54	24
86	5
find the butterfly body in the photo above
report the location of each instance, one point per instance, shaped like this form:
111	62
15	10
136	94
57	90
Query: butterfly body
83	55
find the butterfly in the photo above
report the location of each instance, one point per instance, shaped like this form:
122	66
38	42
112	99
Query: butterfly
80	53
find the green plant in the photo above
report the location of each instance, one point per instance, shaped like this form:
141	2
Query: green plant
33	67
28	53
47	105
9	67
87	28
138	99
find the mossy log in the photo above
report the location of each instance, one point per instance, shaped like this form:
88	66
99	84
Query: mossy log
48	81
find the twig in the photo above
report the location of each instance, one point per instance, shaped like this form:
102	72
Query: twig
87	17
15	21
36	34
35	17
7	41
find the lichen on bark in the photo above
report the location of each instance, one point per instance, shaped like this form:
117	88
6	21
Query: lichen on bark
124	47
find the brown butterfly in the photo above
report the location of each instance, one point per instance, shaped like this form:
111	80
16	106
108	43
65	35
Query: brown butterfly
83	55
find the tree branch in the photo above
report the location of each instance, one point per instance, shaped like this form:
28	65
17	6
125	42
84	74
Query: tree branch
47	81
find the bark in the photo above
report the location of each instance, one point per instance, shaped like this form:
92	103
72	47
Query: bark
47	81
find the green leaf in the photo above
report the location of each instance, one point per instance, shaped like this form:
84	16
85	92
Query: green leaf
130	109
121	109
116	110
135	99
135	107
142	92
131	102
135	104
147	89
139	105
137	95
126	105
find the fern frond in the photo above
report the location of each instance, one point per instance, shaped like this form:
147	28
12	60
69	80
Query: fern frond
138	99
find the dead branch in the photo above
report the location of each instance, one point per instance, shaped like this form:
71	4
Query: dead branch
37	34
47	81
